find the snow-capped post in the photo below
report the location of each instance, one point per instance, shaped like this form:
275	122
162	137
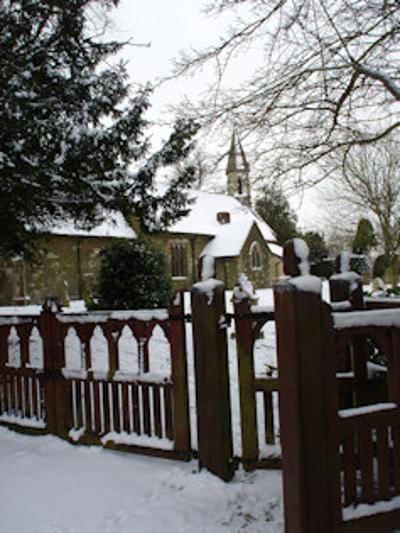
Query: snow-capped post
58	415
212	374
295	258
243	297
345	284
308	407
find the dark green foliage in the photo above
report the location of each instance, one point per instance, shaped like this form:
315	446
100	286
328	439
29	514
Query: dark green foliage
359	264
394	290
71	128
381	264
133	275
274	208
364	238
323	269
317	246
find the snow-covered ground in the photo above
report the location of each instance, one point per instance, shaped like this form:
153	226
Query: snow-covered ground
50	486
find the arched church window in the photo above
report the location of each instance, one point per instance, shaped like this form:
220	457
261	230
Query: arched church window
179	264
255	256
240	186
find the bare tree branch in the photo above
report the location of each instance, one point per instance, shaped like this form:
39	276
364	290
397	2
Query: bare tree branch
326	77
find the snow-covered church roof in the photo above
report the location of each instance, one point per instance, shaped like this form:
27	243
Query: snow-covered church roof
226	240
114	225
230	237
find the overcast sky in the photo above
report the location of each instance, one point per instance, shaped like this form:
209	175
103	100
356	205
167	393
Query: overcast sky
171	26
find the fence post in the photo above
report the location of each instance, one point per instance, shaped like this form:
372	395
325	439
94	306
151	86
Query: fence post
179	376
58	413
212	378
340	289
308	411
247	395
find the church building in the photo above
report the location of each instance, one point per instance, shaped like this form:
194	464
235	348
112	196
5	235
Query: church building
221	225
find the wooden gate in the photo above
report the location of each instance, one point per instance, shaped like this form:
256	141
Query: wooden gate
341	467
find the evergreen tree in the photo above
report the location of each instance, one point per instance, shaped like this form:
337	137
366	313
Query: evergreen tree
71	130
274	208
364	238
316	245
133	275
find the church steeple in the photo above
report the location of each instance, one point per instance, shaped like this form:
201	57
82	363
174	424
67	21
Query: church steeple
237	171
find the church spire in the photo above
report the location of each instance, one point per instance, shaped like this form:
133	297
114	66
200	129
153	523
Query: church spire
237	171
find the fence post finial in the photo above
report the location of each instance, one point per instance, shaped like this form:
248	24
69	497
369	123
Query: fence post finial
345	284
295	258
51	304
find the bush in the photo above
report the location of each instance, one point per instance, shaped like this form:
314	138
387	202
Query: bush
381	264
359	264
133	275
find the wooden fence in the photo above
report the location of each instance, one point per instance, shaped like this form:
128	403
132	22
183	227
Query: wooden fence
340	432
135	408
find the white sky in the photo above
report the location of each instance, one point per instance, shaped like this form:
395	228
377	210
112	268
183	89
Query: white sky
172	26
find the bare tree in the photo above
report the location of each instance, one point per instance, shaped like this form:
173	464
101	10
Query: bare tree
369	181
327	77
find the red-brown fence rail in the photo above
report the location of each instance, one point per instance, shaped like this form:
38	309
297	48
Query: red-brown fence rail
117	379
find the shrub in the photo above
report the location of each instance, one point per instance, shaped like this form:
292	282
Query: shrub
133	275
381	264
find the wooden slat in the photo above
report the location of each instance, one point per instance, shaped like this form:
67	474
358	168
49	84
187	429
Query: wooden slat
349	469
396	458
40	384
366	466
36	398
125	407
28	405
135	408
146	409
157	410
269	418
18	399
35	409
96	400
11	398
169	433
116	413
78	399
106	407
2	400
88	403
383	464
